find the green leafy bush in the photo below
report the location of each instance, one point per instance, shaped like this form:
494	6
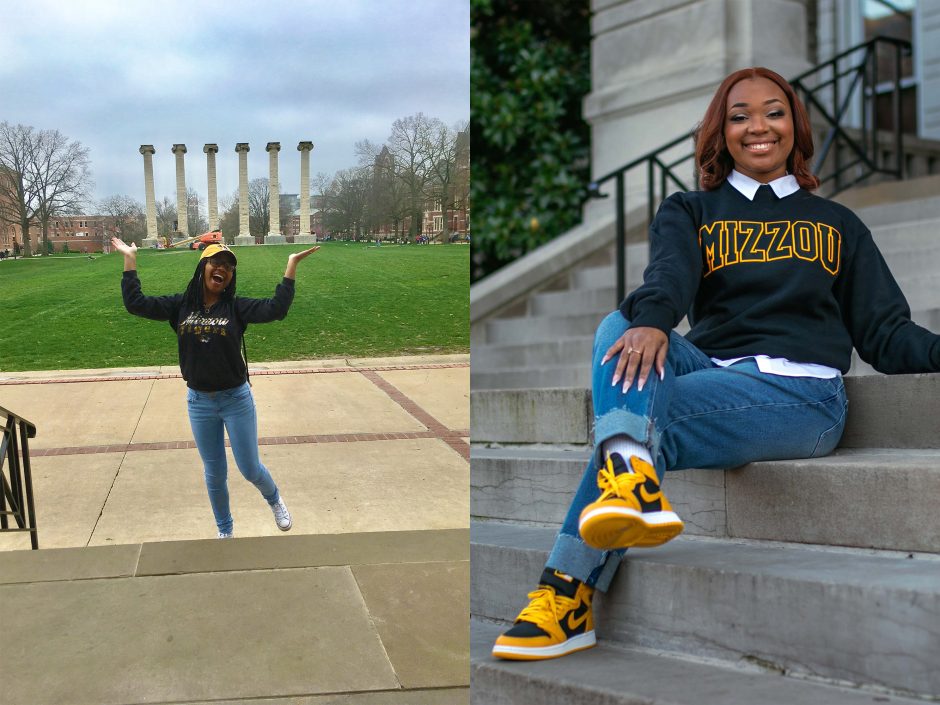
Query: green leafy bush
530	69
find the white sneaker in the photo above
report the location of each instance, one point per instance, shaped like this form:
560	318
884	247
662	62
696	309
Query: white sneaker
281	515
226	535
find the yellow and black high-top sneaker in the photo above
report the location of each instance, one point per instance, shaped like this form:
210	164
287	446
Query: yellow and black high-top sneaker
632	511
557	621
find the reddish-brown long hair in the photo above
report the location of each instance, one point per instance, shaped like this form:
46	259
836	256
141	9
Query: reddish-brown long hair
711	151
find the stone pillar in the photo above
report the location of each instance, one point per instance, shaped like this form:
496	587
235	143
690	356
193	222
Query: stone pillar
244	235
653	73
211	150
182	221
148	151
305	236
274	236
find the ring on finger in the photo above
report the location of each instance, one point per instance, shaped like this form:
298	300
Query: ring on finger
631	351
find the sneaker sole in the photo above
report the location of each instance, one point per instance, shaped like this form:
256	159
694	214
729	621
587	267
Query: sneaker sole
606	528
579	642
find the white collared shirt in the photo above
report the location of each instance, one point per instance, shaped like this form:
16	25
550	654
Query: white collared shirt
782	187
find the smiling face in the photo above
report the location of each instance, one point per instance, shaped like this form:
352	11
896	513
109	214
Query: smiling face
759	129
218	274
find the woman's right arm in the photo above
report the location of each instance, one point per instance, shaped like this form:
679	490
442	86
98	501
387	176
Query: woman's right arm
156	308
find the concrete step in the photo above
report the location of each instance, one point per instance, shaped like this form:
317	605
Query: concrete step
562	351
575	301
568	375
862	617
890	213
910	233
541	328
150	623
880	413
814	501
614	675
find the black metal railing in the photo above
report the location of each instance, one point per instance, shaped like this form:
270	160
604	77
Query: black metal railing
16	486
840	96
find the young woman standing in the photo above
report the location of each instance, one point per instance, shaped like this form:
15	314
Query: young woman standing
209	322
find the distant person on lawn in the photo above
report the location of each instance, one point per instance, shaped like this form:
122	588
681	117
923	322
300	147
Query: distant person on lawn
210	321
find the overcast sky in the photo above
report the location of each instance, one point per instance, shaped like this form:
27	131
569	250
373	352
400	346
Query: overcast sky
116	74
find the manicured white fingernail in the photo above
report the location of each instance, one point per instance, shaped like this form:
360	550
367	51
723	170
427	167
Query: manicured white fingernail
616	379
662	375
639	386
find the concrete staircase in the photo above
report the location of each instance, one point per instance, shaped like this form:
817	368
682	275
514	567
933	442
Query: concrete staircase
804	581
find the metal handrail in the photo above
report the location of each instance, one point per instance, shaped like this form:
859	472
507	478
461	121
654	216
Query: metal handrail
16	491
844	84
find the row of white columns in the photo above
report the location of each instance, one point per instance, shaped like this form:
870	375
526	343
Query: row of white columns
244	237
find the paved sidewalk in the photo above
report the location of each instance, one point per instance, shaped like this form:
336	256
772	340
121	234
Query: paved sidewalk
365	600
354	445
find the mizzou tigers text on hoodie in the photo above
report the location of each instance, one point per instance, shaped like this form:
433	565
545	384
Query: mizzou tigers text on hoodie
798	277
209	340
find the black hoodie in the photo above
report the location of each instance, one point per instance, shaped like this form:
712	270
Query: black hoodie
209	339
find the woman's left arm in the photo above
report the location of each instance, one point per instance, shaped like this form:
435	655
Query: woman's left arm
274	309
878	317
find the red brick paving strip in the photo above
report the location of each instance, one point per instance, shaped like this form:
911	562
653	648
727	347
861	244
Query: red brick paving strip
254	373
448	436
453	438
433	425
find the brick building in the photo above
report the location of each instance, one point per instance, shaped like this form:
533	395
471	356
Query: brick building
290	216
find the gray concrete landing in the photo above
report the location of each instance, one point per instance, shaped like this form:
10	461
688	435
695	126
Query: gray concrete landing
356	618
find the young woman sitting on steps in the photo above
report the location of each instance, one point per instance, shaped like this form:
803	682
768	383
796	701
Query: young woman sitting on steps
779	285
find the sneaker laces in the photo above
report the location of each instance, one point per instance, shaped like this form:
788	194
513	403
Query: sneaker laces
614	485
545	607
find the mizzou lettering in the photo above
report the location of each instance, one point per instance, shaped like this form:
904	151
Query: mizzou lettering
728	242
203	326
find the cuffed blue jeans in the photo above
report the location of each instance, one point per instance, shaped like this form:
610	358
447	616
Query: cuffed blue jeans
210	415
699	416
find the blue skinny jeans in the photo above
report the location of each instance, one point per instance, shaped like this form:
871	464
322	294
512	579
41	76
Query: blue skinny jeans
210	415
699	416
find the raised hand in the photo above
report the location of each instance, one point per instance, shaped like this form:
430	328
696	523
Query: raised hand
296	257
122	247
129	252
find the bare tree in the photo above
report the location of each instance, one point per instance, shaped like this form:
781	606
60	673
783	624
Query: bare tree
411	146
61	173
128	217
451	159
166	217
389	202
344	202
259	206
229	218
18	191
197	221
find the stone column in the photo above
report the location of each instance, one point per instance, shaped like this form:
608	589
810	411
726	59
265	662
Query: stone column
274	236
148	151
182	227
305	236
211	150
244	235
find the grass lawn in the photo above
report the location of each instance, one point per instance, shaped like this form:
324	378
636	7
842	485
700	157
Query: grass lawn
352	300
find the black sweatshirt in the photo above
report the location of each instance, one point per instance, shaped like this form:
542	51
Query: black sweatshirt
209	340
799	278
